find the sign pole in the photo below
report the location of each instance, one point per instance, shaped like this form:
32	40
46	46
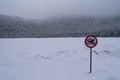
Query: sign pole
91	41
90	60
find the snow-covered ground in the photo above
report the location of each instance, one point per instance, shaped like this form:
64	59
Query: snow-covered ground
58	59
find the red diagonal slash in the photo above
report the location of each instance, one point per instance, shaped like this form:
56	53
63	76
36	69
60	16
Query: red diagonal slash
91	42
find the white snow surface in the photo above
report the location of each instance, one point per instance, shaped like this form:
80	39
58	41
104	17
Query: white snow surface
58	59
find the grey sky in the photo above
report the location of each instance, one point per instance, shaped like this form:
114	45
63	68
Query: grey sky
51	8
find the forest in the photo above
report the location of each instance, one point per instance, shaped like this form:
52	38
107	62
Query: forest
17	27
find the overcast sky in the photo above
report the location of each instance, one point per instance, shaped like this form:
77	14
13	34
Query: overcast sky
39	9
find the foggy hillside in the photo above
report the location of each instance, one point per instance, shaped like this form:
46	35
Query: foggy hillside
16	27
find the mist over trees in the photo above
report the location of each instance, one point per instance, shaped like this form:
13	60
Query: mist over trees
16	27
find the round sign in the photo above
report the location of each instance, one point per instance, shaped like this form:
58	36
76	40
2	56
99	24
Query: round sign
91	41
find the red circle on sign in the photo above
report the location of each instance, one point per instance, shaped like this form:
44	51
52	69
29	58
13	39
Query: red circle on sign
91	41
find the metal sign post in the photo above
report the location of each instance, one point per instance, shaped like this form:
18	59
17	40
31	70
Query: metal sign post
91	41
90	60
